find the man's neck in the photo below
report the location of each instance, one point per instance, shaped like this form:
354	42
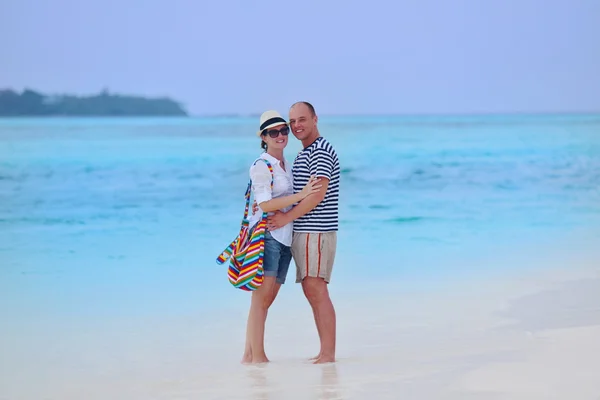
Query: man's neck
311	139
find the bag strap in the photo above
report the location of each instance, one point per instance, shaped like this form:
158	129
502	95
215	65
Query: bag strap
229	250
249	189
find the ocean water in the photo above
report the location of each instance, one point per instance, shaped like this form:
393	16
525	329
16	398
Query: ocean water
141	207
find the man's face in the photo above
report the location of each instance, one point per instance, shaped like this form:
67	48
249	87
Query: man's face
302	121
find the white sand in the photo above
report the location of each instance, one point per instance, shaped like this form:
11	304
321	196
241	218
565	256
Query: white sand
525	337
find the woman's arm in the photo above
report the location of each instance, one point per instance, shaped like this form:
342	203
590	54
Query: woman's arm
263	196
282	202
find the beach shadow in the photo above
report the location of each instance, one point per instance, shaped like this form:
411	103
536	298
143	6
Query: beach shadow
329	389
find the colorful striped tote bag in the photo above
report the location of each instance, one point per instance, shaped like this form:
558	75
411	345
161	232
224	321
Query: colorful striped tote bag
247	250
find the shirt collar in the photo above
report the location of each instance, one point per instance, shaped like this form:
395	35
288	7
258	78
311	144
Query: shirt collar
272	159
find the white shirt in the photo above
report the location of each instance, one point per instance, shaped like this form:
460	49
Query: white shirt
283	185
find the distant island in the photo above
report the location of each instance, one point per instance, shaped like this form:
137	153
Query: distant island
32	103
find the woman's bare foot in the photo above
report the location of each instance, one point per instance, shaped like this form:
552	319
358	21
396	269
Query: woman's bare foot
260	360
247	358
315	357
324	359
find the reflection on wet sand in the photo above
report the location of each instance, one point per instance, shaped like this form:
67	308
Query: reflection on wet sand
329	388
257	375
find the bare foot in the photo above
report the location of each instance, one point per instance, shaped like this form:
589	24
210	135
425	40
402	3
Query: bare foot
324	360
315	357
247	358
260	360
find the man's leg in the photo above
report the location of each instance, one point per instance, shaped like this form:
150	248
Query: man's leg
316	323
317	294
314	254
298	251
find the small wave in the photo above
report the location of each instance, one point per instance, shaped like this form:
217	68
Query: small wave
43	221
429	239
125	206
379	207
191	177
41	272
506	186
402	220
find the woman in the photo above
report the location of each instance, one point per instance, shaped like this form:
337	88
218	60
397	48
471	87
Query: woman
277	254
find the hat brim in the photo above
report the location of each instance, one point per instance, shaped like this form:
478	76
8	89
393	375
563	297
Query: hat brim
258	133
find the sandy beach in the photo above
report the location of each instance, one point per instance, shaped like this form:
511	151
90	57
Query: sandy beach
526	336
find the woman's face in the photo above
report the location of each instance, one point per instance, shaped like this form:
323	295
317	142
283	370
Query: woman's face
276	137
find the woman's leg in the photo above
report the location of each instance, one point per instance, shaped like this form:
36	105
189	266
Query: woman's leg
262	298
247	357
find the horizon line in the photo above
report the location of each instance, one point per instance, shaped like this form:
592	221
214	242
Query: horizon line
422	114
326	115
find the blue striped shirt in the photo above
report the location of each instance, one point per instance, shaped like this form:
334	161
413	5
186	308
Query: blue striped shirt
318	159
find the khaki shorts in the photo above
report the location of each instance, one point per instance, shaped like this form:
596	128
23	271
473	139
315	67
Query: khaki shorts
314	254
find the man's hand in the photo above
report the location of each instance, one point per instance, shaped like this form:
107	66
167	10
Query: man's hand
254	207
277	220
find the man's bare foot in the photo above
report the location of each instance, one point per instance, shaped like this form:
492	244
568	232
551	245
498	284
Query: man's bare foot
324	360
315	357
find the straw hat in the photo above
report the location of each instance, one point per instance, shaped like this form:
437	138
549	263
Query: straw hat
269	119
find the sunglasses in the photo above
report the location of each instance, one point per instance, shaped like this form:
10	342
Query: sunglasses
273	133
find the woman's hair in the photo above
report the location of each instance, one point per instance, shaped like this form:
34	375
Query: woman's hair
263	144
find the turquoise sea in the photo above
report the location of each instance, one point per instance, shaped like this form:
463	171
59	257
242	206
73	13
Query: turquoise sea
123	218
128	215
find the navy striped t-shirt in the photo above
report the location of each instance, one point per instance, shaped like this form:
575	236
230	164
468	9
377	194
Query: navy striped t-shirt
318	159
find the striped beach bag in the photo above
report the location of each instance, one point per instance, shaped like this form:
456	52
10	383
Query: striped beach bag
246	252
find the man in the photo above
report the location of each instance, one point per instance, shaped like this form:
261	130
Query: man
315	223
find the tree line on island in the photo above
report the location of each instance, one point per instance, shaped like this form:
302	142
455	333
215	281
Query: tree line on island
32	103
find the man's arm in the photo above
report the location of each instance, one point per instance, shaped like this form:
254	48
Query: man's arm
309	202
305	206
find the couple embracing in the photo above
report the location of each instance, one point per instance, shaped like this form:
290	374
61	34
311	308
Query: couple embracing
303	221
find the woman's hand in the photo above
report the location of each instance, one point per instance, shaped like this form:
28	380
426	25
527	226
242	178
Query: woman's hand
276	221
310	188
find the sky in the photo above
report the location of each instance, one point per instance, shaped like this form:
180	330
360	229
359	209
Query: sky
346	57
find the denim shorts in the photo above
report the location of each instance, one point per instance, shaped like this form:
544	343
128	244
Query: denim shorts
277	258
